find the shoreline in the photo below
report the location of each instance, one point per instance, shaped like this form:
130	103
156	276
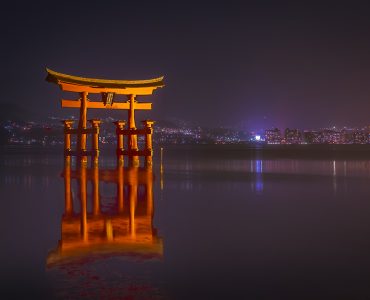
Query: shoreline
222	151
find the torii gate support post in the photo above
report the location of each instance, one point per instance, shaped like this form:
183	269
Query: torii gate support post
120	125
95	123
132	144
148	142
81	142
67	140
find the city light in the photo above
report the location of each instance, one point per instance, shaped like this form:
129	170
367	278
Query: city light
51	133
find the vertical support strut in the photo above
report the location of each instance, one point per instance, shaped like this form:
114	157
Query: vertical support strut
82	126
120	143
67	140
95	124
134	159
148	142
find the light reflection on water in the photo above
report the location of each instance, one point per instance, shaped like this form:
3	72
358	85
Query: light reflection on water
96	228
281	166
209	228
187	168
257	170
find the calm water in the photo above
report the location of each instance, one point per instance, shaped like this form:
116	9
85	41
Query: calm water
217	223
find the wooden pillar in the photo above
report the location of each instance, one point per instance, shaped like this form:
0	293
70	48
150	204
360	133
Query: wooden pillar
68	204
96	196
83	199
120	125
67	140
81	143
131	113
133	159
148	142
95	124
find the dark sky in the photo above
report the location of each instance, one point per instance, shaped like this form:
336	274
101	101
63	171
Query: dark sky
256	64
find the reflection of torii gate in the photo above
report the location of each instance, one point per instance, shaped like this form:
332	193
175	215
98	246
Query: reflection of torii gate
127	229
108	89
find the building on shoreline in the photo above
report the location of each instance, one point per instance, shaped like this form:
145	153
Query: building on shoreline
51	133
273	136
292	136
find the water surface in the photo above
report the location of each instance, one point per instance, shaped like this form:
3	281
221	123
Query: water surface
222	223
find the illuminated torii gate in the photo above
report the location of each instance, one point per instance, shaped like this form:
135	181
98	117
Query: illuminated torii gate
108	89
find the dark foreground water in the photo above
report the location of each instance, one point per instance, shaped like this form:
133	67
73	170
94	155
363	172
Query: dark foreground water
227	222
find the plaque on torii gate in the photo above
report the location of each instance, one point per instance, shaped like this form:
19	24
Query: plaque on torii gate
108	89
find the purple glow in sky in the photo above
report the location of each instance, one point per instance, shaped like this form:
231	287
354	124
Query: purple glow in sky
252	64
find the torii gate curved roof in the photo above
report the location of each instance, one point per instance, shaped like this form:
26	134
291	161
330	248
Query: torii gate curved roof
93	85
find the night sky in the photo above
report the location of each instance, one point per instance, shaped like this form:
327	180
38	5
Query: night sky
254	65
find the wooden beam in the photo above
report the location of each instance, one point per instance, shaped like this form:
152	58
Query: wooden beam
97	90
100	105
56	77
134	131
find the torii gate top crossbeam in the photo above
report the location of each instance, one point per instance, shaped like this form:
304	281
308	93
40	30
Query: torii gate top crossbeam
72	83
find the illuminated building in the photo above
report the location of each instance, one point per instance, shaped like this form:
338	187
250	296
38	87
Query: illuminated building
346	136
360	137
273	136
293	136
330	136
312	137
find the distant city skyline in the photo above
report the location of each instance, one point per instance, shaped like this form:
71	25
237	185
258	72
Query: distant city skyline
50	132
13	111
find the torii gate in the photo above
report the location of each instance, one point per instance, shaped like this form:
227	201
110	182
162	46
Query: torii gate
108	89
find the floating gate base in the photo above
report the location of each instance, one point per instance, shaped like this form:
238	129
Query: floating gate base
81	151
125	136
133	151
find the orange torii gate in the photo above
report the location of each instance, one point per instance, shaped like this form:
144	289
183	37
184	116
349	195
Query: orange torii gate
108	89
